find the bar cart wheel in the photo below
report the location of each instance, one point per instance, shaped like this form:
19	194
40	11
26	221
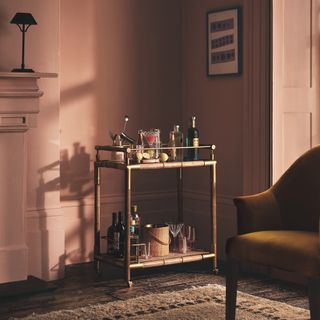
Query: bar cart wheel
130	284
97	266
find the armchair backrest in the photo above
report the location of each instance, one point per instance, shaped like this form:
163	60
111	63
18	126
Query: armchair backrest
297	193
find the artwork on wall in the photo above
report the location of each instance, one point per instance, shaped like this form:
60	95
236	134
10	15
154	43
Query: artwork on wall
223	42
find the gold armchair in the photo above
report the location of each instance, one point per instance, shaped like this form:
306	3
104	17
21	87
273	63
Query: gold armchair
279	229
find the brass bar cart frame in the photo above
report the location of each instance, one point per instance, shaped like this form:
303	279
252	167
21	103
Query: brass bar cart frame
128	166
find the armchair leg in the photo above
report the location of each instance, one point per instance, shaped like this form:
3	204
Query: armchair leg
231	289
314	298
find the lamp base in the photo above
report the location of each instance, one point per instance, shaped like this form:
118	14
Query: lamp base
22	70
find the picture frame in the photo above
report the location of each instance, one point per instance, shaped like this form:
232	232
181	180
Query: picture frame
224	52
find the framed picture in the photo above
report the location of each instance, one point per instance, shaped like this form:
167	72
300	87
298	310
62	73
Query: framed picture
223	42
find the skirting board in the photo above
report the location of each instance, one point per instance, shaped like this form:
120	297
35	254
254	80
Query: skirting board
29	286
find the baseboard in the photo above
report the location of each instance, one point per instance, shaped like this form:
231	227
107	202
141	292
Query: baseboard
29	286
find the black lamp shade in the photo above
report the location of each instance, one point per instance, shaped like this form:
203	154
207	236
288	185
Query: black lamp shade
23	18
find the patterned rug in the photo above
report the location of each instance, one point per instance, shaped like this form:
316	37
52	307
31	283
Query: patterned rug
205	302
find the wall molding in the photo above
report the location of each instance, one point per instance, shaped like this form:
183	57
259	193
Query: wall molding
256	101
46	212
223	199
116	198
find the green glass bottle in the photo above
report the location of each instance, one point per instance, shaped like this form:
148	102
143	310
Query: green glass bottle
192	140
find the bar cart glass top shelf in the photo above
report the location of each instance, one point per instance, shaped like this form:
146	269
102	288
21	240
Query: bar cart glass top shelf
130	164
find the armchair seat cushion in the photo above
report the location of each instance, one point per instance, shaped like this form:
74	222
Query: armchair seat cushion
294	251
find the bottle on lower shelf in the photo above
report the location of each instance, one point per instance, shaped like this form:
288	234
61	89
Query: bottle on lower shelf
110	234
119	236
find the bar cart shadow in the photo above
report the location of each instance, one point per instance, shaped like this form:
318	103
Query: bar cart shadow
128	165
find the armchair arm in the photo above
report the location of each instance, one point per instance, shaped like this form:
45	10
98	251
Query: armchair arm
257	212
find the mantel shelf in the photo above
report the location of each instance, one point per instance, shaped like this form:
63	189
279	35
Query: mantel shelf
19	99
28	75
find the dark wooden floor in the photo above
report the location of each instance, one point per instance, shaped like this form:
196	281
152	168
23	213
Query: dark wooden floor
81	286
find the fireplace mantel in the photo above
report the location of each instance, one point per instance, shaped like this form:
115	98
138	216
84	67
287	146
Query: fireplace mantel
19	107
19	99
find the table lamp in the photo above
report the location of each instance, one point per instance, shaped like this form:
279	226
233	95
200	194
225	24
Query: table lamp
23	21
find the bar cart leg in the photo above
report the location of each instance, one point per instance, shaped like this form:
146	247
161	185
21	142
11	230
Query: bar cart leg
213	207
127	221
180	193
97	180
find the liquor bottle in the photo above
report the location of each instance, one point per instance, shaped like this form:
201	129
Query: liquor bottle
139	146
119	236
192	140
178	141
134	233
172	144
135	219
110	234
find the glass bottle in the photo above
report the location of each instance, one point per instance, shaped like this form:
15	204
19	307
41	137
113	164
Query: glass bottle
139	146
119	236
134	233
172	151
178	141
192	140
110	234
135	218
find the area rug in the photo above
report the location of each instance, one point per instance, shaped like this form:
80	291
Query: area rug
205	302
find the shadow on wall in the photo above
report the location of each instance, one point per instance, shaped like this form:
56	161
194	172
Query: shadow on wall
75	174
75	185
43	188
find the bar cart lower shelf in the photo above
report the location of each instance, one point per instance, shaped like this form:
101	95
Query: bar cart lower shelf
127	166
171	258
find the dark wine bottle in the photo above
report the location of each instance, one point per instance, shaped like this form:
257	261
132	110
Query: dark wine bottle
192	140
135	220
110	234
119	236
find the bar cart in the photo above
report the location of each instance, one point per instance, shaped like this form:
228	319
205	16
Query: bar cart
128	165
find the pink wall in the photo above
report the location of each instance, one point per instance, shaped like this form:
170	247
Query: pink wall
216	101
227	110
125	59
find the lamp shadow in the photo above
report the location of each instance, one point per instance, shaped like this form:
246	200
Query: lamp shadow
74	184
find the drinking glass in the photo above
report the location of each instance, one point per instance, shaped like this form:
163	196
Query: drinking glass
152	140
191	237
174	229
